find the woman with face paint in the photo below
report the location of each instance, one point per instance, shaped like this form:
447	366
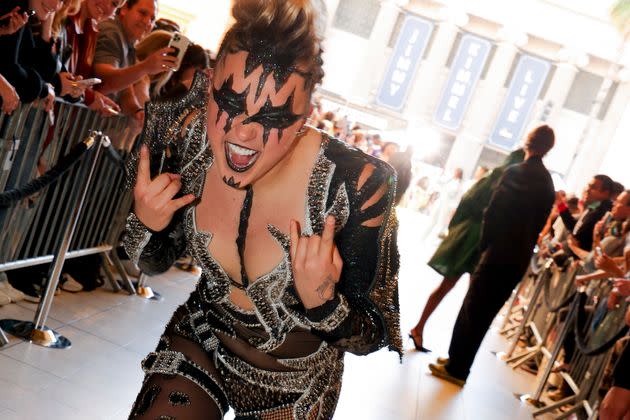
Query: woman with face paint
295	233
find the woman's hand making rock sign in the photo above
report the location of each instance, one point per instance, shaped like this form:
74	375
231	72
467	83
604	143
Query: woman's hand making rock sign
316	264
154	205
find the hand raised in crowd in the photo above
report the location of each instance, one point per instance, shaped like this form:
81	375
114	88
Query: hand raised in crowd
160	61
104	105
49	100
15	20
316	264
597	231
69	85
604	262
560	197
154	203
10	98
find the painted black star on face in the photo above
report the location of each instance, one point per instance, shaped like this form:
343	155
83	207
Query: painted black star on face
230	102
278	117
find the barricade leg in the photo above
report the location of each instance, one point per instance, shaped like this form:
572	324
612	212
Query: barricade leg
127	284
3	338
36	331
535	399
526	317
107	268
146	291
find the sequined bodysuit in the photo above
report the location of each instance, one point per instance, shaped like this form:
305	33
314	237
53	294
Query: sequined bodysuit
279	360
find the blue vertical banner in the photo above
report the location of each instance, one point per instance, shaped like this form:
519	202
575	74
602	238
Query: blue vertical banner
466	69
410	46
529	79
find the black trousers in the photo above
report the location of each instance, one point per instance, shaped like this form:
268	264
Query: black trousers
490	286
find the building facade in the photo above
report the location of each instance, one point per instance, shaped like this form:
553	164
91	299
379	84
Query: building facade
474	77
464	81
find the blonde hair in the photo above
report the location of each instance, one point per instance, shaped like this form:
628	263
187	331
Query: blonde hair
154	41
280	32
69	8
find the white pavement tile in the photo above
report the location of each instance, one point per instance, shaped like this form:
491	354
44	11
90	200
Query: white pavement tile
63	363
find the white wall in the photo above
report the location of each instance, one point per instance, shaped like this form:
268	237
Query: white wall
212	19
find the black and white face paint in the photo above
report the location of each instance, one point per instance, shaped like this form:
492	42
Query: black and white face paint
254	113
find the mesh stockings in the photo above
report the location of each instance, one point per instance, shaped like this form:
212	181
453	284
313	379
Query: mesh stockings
169	397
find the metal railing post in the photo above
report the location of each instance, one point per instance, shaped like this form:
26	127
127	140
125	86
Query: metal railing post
36	331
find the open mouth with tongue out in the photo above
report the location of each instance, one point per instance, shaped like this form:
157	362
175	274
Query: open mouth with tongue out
240	158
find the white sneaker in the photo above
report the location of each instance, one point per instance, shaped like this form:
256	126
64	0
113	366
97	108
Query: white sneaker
69	284
14	294
4	299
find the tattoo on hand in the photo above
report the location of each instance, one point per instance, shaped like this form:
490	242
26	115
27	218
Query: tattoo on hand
328	281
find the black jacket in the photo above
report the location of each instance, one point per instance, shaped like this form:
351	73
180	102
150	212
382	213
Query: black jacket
28	63
583	232
517	212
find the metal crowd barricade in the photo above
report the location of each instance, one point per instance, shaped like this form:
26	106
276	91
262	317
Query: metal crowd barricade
518	303
40	229
546	315
552	292
597	330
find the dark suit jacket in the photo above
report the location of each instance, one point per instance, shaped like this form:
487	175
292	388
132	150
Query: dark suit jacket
28	62
517	213
584	232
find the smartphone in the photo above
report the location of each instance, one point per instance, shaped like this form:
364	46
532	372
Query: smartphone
112	110
180	44
5	21
88	82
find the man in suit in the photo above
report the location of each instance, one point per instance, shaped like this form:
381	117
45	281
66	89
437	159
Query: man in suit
512	221
597	203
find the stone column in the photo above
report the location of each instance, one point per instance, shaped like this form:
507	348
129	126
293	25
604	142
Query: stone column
372	66
567	66
592	151
486	104
431	76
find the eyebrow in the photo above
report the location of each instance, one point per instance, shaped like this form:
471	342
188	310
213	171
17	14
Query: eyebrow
229	101
269	116
278	117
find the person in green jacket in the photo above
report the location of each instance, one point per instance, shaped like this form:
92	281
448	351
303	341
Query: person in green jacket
459	251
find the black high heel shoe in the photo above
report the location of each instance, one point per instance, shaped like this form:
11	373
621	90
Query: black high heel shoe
421	349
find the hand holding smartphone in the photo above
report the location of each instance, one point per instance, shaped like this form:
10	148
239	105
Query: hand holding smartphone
86	83
598	251
179	43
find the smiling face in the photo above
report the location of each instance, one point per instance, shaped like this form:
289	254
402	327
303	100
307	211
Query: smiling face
138	19
101	10
594	191
254	114
45	8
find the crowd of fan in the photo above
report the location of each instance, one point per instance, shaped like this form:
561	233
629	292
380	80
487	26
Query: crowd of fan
55	48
